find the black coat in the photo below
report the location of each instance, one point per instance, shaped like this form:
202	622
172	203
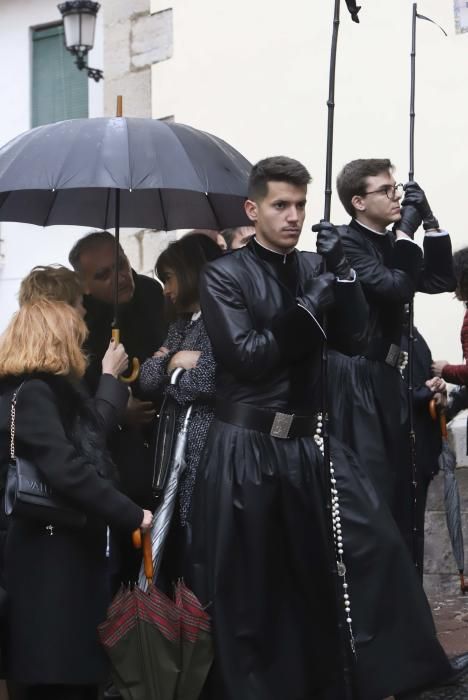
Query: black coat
142	331
58	585
365	399
391	272
260	555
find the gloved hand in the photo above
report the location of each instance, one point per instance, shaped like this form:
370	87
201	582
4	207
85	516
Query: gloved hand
329	245
416	197
410	220
318	293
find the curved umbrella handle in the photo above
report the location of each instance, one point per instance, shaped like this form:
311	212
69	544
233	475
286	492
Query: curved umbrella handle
135	361
433	409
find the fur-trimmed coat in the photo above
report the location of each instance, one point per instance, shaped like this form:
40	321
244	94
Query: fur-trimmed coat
58	584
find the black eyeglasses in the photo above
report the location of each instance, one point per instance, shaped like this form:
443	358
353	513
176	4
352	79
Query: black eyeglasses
392	191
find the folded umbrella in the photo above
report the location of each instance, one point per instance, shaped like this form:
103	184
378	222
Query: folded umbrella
169	466
141	636
448	464
197	644
159	649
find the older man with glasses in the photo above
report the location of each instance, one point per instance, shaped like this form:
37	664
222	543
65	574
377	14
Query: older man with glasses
365	391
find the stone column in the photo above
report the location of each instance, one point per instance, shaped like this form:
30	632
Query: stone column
134	39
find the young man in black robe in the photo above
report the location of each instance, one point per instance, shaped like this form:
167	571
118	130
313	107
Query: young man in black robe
365	389
261	542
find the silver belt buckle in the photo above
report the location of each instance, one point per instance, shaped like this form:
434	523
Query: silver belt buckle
281	425
393	355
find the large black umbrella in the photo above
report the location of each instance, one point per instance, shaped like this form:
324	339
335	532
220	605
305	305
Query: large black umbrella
115	172
169	176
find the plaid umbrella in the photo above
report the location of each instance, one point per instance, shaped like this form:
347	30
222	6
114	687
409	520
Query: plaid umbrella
142	639
197	644
159	649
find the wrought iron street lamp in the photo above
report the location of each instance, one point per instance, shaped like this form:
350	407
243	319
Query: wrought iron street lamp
79	22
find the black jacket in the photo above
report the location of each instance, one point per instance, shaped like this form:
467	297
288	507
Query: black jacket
142	331
391	272
142	326
58	585
428	437
268	351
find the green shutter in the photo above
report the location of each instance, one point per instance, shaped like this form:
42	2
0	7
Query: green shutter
59	89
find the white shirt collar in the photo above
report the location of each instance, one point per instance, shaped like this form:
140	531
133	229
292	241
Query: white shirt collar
378	233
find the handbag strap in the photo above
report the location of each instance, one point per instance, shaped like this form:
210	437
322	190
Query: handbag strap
14	399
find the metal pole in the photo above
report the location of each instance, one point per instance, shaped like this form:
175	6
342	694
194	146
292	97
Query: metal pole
347	656
115	323
412	434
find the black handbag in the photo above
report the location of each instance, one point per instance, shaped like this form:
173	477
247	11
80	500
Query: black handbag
163	440
27	493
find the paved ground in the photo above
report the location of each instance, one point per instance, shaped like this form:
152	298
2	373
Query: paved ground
451	618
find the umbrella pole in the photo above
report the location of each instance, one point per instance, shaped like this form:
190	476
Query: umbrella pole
338	568
115	323
412	434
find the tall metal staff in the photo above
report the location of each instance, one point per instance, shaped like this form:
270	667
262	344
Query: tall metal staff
412	434
339	571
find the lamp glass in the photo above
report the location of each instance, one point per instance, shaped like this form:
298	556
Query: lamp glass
79	30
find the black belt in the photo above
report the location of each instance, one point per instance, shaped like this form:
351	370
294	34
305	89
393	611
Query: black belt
279	425
390	354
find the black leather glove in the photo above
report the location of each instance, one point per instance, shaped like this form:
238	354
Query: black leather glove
416	197
318	293
410	220
329	245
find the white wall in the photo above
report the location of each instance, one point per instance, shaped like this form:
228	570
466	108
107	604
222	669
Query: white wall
256	74
25	246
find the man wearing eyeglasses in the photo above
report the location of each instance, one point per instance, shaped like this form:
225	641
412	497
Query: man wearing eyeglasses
391	266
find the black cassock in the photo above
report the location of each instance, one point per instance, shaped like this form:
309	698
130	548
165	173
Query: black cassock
365	393
260	554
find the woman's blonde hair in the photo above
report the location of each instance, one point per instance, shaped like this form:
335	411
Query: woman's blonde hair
44	336
53	282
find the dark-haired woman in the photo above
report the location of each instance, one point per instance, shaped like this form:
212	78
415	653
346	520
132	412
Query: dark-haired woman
187	346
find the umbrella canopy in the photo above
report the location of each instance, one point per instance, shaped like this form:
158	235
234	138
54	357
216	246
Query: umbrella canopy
158	648
169	176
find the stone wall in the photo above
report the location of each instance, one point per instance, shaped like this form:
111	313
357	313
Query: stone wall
135	39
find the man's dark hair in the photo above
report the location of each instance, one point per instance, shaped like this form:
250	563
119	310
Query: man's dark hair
276	169
228	235
351	181
460	270
95	238
186	259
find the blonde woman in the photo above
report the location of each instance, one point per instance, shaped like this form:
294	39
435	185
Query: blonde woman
59	283
57	578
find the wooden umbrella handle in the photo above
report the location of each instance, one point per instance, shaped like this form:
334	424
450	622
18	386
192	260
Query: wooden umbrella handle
148	557
443	425
135	361
442	419
143	540
136	538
